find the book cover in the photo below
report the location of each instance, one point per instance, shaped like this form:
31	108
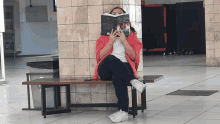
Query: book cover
115	22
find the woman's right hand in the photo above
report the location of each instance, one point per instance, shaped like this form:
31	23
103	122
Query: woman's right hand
113	36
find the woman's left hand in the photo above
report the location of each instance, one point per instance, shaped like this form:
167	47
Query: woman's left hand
121	36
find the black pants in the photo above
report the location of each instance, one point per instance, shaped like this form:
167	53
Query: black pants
112	68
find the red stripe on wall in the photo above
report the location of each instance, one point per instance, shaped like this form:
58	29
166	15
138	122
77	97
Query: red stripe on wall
142	2
144	50
165	17
165	37
158	49
154	5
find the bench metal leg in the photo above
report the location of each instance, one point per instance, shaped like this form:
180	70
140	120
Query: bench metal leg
68	102
58	96
55	97
43	100
134	102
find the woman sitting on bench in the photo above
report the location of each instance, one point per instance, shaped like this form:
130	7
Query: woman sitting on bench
118	60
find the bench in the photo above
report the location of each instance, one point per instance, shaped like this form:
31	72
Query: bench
56	83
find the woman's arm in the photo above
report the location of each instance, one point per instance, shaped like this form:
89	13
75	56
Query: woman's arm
130	51
106	49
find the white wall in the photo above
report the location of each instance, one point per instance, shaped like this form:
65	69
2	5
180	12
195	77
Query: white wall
168	1
38	37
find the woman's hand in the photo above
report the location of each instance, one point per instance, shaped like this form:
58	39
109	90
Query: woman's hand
121	36
113	36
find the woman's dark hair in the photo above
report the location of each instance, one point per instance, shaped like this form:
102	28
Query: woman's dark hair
123	12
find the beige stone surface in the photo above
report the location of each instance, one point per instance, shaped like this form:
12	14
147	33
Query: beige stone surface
217	17
61	3
95	18
66	50
83	97
111	2
80	32
111	98
110	88
217	53
210	53
65	33
92	49
108	8
217	45
217	36
81	67
210	27
95	2
208	2
216	1
72	98
138	2
210	46
209	17
98	88
66	66
80	14
83	88
94	31
81	50
79	2
138	14
210	36
99	98
216	8
64	15
217	26
209	9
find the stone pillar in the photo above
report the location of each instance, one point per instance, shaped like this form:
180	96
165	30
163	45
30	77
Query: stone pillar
79	26
212	23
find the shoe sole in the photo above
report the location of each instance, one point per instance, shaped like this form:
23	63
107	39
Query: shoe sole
142	89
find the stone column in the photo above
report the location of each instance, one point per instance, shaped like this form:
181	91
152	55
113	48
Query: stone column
79	26
212	23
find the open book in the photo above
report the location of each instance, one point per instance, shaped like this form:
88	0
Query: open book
109	22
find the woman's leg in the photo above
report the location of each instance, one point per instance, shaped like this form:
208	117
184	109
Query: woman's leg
121	92
103	70
115	65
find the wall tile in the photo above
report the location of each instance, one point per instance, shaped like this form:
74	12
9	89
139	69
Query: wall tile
84	108
130	98
64	76
217	45
214	1
121	2
140	73
130	9
216	18
73	98
217	53
211	62
64	16
209	36
216	9
80	2
210	46
94	31
108	8
99	98
92	66
112	108
63	99
66	50
95	2
98	88
80	14
73	88
92	49
112	98
217	26
95	18
217	36
61	4
209	9
140	67
208	2
111	2
83	88
110	88
65	33
210	27
99	108
81	49
209	17
80	32
210	53
138	14
66	66
62	89
83	98
138	2
82	67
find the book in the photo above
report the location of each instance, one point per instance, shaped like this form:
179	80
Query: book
115	22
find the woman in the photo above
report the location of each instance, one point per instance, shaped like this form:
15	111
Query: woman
118	60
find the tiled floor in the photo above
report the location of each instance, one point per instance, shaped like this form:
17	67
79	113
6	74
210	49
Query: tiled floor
180	72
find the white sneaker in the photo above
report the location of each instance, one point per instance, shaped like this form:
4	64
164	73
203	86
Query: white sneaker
119	116
139	86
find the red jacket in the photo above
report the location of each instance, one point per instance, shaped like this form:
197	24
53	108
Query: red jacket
134	43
